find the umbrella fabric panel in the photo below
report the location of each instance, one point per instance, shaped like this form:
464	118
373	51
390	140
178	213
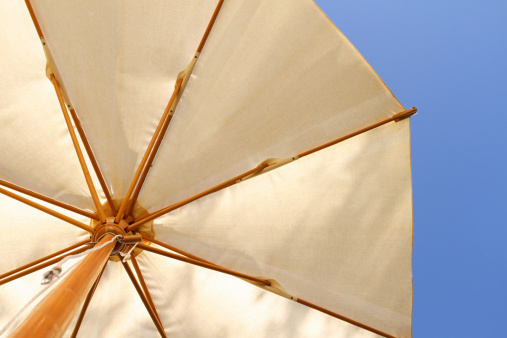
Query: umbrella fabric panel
119	61
37	151
196	302
274	79
333	228
29	234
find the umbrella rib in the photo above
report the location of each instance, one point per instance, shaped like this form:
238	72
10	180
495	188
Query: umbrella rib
79	153
93	161
53	80
301	301
172	248
158	324
41	266
210	26
345	319
149	217
144	286
161	123
34	19
48	200
203	264
159	135
87	302
167	120
400	116
43	259
47	210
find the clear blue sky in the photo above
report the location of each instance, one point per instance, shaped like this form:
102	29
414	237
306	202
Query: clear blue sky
448	58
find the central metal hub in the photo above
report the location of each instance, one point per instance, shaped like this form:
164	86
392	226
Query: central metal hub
111	228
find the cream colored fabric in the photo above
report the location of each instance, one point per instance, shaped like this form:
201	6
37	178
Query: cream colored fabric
275	78
36	150
333	228
119	61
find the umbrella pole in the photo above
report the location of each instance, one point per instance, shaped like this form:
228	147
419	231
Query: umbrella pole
54	313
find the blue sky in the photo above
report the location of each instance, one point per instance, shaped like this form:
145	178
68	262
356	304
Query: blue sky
447	58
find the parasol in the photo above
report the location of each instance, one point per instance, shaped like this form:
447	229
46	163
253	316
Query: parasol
245	168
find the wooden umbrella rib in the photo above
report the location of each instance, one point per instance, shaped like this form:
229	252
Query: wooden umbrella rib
34	19
167	120
41	266
93	161
149	217
79	153
345	319
144	286
153	152
87	302
203	264
210	25
123	206
43	259
172	248
397	117
48	200
47	210
158	324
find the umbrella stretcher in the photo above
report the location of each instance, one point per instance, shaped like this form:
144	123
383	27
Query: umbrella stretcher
280	164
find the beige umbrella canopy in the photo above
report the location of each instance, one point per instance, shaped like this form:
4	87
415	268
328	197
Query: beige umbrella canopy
245	168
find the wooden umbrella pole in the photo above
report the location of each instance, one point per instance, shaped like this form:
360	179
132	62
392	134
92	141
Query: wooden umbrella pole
86	303
41	266
146	167
123	206
93	161
47	210
345	319
144	286
43	259
204	265
48	200
53	314
157	323
79	153
149	217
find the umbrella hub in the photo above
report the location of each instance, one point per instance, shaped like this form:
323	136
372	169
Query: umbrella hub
129	238
110	227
